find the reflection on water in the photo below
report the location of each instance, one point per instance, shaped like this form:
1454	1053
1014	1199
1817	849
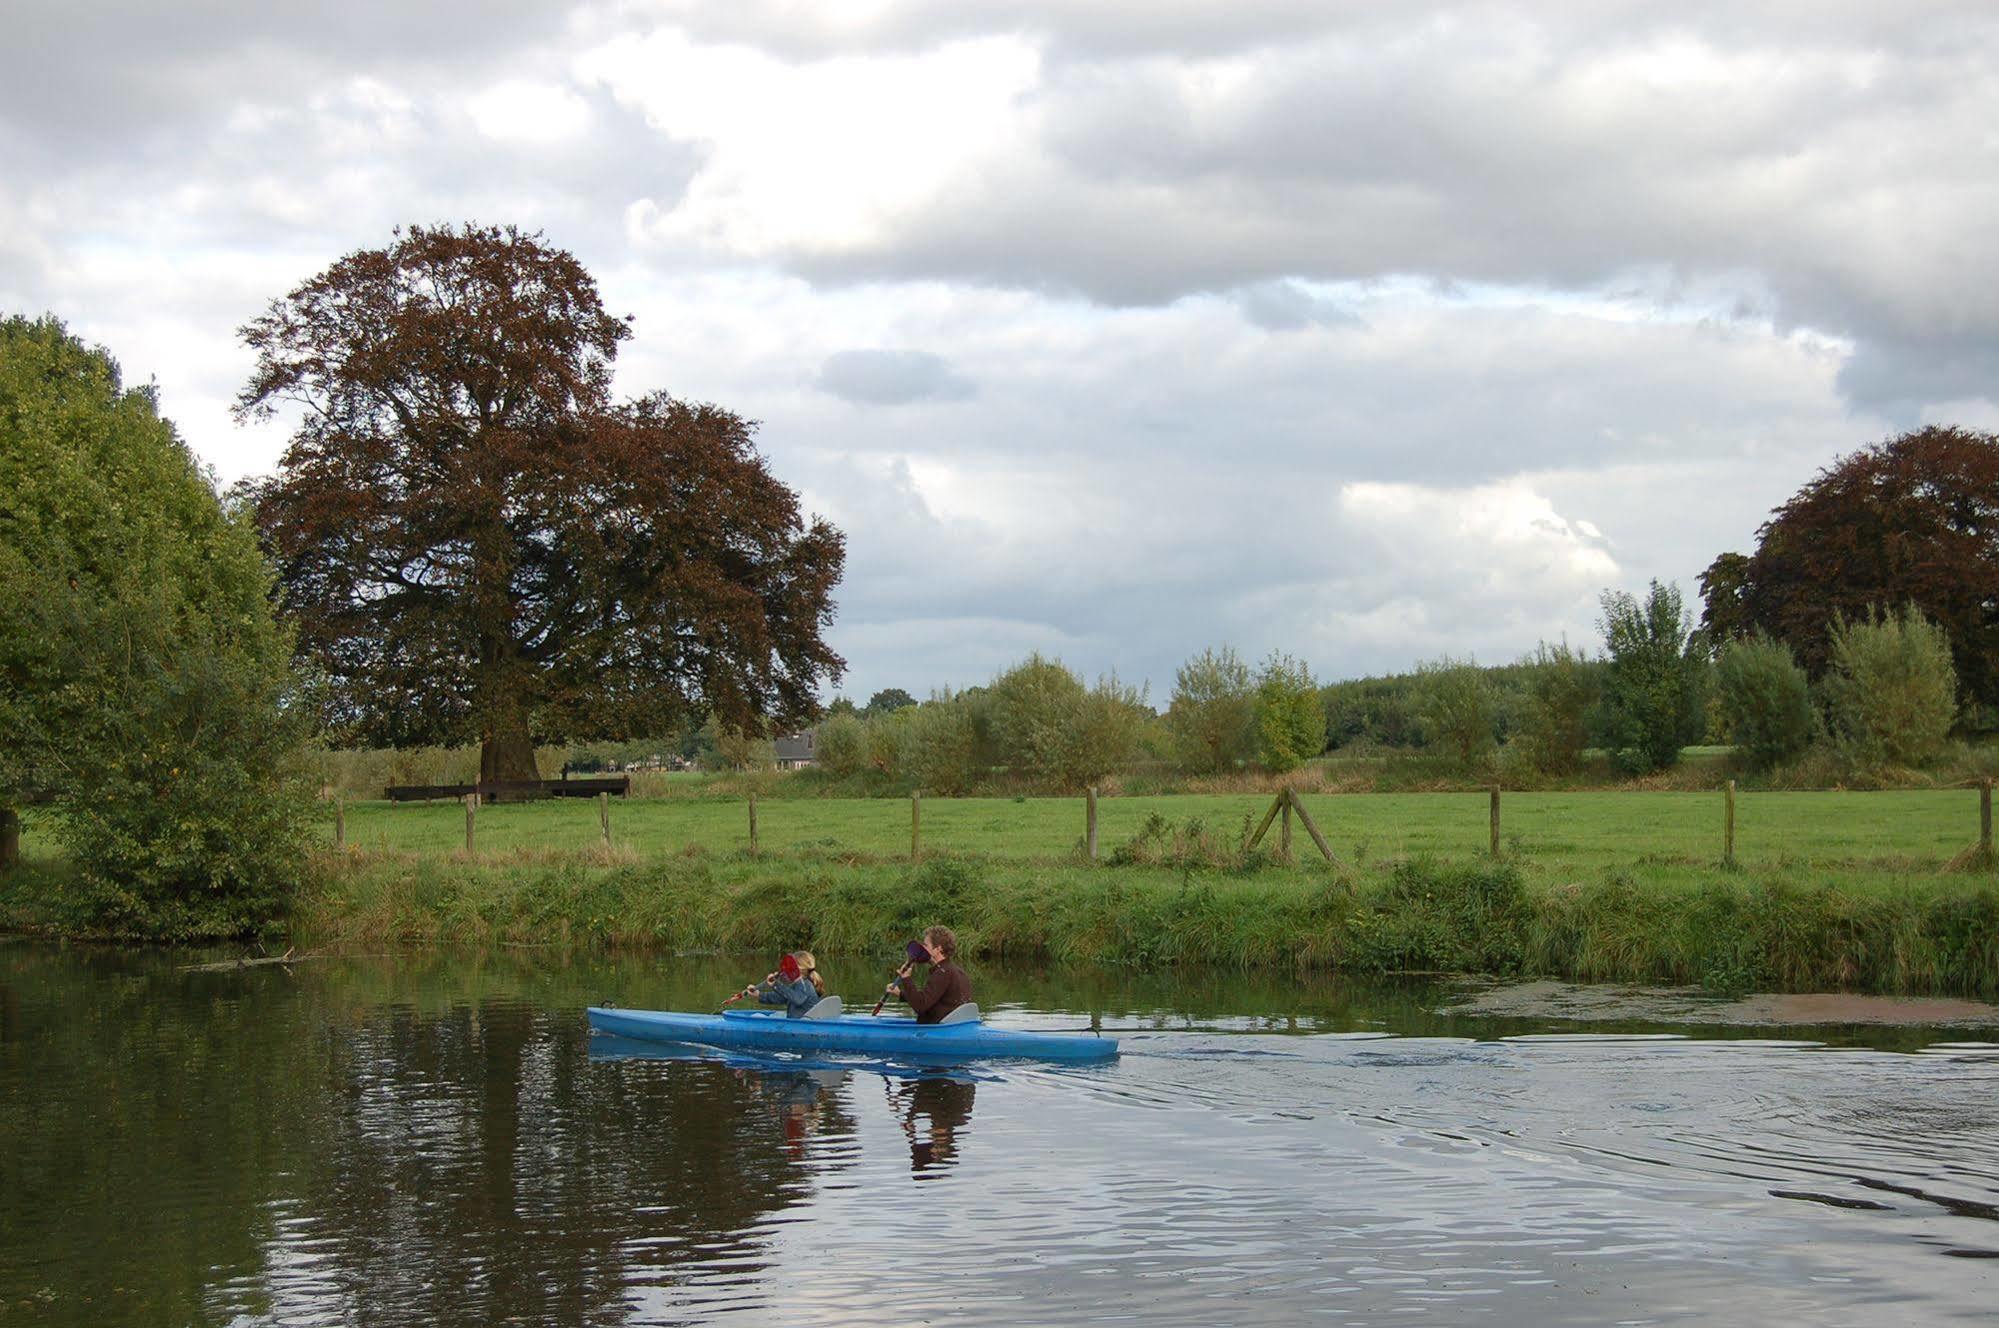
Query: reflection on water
441	1141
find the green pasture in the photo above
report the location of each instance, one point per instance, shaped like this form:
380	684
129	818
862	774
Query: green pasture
1587	833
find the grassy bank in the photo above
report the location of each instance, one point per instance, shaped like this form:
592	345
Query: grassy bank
1829	891
1782	931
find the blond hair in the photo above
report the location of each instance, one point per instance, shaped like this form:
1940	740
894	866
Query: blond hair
809	967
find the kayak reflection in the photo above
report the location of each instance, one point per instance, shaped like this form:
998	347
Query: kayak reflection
931	1103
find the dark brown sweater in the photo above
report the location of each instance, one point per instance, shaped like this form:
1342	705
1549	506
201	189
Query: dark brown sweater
944	990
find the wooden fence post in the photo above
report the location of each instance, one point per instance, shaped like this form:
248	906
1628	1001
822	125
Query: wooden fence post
1090	821
915	824
1728	827
1985	818
471	817
1284	830
10	838
339	825
1312	828
1256	837
604	818
753	824
1495	820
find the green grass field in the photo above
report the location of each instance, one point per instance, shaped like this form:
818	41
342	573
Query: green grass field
1553	833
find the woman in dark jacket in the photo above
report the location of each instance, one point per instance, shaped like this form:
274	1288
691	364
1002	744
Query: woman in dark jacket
944	989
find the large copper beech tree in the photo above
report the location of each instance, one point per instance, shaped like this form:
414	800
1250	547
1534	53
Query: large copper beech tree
1913	520
478	543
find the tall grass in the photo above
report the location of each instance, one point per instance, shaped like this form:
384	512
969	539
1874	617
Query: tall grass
1728	932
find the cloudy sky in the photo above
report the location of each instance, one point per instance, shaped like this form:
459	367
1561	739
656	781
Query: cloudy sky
1371	332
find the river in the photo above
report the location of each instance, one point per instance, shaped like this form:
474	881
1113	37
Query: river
423	1139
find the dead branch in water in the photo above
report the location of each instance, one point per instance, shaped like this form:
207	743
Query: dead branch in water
230	965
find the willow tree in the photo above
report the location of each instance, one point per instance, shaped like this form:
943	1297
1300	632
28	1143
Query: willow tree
478	544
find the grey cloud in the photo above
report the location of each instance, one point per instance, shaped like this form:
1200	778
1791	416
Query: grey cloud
102	79
1286	306
892	378
1835	161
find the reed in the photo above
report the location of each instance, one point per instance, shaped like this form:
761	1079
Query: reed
1725	930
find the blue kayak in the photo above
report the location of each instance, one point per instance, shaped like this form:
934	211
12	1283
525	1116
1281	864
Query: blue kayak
772	1030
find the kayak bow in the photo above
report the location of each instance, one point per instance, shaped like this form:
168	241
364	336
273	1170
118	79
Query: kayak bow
772	1031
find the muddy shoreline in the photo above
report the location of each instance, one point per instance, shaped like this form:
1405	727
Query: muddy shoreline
1600	1002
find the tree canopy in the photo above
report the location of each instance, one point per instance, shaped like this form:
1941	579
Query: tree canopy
145	688
1910	521
479	544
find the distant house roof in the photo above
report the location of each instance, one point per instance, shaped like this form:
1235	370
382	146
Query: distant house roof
797	747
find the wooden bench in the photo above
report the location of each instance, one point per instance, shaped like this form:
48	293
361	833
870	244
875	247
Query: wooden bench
520	790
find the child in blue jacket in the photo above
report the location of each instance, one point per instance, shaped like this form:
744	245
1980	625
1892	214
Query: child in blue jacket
796	985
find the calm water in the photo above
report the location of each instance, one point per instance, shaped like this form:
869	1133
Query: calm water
417	1141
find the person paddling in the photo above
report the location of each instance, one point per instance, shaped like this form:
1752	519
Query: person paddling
796	985
944	989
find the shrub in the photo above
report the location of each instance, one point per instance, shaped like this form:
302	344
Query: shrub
1765	700
740	750
1046	722
1455	704
937	746
1652	690
1892	687
843	744
1554	721
887	733
1290	717
1212	714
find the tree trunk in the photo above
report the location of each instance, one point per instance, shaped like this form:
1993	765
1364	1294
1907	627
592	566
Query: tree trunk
10	838
506	756
506	741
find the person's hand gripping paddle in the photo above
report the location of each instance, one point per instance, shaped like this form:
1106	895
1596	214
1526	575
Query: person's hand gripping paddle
913	954
787	969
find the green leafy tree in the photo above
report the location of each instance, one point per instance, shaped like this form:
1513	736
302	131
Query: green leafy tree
1380	711
144	685
1212	714
1561	687
1654	684
1766	700
887	701
842	705
1892	686
1290	718
1456	705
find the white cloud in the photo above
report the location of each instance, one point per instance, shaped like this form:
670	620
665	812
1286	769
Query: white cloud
816	157
524	112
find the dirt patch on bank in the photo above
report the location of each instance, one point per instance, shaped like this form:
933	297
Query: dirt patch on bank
1689	1005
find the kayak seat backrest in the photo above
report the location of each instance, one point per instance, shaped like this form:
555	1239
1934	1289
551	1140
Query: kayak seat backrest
826	1007
968	1013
